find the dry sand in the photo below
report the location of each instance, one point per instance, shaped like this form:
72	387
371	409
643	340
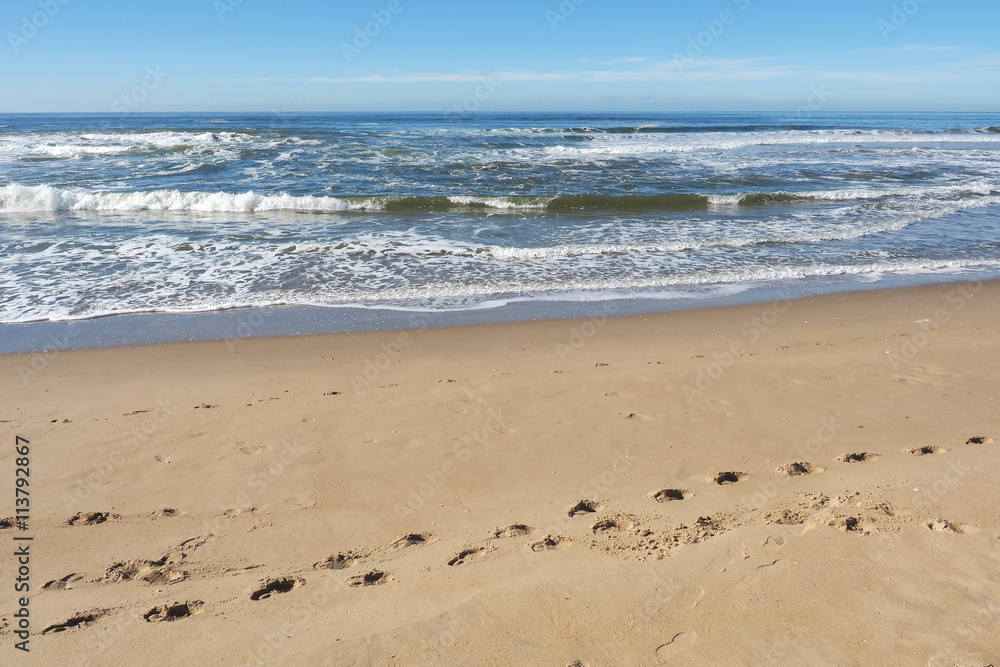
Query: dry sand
662	489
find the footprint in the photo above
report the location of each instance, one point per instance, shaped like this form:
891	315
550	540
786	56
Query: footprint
786	517
513	530
943	526
551	543
666	495
606	525
341	561
676	647
77	621
164	570
61	584
413	539
152	572
206	406
465	555
173	612
979	440
923	451
852	524
801	468
7	523
583	507
858	457
729	477
269	587
373	578
89	518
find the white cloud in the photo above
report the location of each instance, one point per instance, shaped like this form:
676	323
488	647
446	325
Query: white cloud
621	61
666	70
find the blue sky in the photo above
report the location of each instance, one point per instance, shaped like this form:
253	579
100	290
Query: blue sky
300	55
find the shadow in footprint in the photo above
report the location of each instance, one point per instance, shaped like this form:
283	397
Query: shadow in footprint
78	621
800	468
411	540
88	518
607	525
551	543
465	555
729	477
270	587
667	495
173	612
858	457
60	584
373	578
513	530
583	507
943	526
979	440
924	451
164	570
341	561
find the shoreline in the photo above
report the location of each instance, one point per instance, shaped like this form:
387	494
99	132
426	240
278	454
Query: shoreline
607	491
236	325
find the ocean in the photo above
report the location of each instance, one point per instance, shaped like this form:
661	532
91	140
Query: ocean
168	213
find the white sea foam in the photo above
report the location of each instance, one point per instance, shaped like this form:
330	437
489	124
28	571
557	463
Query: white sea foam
638	144
28	199
502	203
16	198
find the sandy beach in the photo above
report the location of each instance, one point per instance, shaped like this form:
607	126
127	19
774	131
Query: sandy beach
807	481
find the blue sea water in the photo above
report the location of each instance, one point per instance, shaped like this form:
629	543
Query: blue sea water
112	214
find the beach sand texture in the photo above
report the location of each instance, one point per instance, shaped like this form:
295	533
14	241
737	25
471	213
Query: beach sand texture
814	481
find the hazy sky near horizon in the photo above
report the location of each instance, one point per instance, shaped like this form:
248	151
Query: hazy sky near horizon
669	55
